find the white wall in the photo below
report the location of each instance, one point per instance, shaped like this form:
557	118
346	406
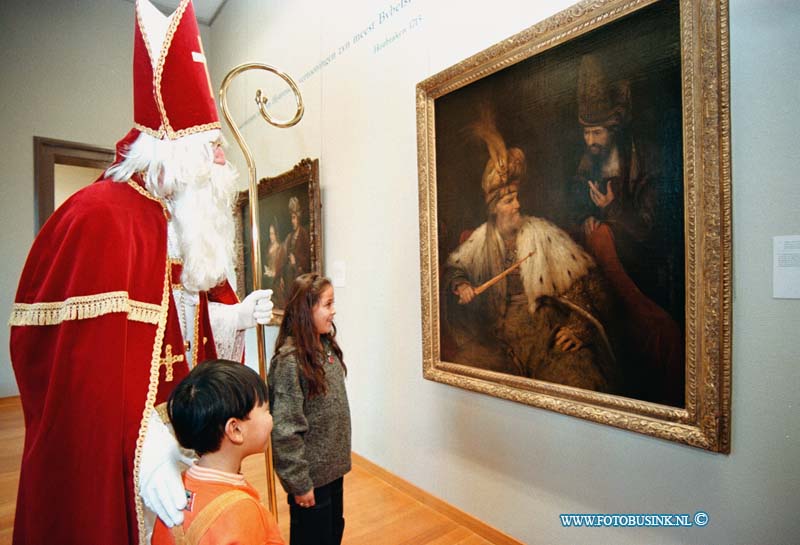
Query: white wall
514	466
66	75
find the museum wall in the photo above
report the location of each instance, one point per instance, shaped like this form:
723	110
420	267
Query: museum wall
513	466
66	75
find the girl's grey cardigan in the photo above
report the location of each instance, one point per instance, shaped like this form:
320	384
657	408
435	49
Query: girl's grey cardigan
310	437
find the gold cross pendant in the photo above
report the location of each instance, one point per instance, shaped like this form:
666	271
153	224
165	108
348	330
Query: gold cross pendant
168	360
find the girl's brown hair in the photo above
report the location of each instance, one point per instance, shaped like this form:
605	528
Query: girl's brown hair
298	323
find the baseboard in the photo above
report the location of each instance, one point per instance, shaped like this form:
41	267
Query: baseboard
488	533
9	401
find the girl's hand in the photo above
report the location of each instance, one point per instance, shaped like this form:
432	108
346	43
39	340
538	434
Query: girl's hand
306	500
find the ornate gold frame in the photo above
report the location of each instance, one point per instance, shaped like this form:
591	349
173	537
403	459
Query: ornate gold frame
705	420
304	172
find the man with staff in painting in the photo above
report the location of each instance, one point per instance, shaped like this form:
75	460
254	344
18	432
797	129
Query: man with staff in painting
531	302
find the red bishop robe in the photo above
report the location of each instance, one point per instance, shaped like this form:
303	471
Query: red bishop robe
95	345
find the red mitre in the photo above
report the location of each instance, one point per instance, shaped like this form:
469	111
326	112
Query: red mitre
172	93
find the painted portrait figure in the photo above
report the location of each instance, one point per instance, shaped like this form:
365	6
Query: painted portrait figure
616	213
275	257
523	297
297	246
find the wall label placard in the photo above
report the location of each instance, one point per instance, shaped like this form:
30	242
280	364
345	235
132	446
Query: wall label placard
786	267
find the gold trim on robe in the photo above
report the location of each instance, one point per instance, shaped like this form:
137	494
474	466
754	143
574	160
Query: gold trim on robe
83	307
149	405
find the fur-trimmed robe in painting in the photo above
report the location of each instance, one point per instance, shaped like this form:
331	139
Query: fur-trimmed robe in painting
515	333
93	322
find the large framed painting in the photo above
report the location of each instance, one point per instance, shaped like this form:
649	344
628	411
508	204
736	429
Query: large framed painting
575	218
290	232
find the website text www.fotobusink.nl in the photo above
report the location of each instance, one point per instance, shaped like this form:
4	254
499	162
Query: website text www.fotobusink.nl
599	520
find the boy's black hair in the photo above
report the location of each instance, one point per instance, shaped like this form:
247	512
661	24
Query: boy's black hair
211	393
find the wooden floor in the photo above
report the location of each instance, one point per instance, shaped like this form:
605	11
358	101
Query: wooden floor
376	512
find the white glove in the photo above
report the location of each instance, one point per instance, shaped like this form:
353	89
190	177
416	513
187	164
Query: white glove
255	309
160	483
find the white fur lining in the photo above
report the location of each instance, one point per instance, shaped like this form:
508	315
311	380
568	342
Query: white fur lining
557	261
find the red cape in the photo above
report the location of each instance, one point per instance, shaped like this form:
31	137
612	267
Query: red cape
91	324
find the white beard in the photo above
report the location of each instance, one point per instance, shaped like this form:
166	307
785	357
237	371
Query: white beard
200	195
203	216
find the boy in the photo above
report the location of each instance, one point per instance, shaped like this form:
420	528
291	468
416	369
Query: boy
219	410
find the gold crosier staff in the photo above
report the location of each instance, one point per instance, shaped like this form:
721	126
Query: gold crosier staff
261	100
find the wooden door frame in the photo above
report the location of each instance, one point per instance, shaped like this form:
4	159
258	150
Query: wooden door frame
48	152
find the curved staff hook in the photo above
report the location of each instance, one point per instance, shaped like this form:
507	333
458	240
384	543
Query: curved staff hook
261	100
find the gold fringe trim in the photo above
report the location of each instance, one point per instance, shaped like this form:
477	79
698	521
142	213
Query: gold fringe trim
158	71
196	336
145	193
161	409
173	134
192	130
143	31
150	401
83	307
159	134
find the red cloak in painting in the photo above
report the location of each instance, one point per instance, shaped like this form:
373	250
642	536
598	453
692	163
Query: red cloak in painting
95	344
656	341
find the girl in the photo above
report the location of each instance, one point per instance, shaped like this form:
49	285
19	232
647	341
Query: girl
311	434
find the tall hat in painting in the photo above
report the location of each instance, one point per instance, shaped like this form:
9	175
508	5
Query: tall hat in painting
601	103
505	167
172	92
